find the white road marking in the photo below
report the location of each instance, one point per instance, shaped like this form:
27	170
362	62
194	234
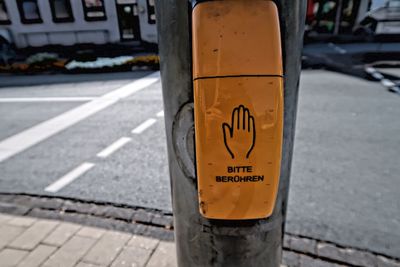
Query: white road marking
144	126
30	137
160	114
44	99
337	48
394	89
377	76
69	177
388	83
113	147
370	70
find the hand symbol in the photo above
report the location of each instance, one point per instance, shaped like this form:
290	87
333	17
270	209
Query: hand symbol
240	136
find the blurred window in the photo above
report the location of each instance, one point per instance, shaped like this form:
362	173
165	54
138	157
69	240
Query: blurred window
325	16
348	18
151	13
394	3
29	11
61	11
4	19
94	10
332	16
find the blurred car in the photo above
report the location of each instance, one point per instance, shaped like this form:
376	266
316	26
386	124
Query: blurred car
382	23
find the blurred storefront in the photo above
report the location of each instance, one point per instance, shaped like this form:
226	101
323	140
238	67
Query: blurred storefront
345	18
334	17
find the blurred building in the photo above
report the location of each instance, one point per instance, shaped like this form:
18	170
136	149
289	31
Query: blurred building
334	17
36	23
382	22
352	18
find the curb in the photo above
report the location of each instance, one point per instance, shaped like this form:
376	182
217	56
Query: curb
137	220
299	251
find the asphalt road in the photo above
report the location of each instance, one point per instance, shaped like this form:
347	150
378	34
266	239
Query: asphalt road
346	166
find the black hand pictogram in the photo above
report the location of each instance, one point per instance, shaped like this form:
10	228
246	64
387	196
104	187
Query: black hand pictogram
240	136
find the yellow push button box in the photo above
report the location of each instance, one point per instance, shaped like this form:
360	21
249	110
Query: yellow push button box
238	95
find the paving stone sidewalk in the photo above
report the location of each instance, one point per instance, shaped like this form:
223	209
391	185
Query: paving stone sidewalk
53	232
31	242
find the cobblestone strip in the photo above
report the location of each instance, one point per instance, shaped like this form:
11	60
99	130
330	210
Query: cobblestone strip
81	211
300	251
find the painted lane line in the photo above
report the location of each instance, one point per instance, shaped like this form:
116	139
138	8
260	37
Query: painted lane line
337	48
370	70
160	114
69	177
341	50
395	89
377	76
113	147
45	99
30	137
142	127
388	83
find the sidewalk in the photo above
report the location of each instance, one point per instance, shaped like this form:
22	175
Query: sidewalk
57	232
29	242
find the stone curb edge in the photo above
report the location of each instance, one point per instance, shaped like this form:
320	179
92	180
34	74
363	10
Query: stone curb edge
298	250
136	220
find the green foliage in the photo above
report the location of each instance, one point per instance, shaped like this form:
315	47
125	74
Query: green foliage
42	59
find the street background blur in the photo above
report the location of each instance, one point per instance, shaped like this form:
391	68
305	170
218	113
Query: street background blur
82	133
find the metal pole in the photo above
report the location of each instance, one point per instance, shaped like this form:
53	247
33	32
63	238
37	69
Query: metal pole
338	17
199	241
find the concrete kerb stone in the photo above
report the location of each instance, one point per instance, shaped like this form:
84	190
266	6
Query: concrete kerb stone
290	258
385	262
13	208
332	253
43	202
306	245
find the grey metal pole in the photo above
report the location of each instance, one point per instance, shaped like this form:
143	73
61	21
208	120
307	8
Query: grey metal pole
199	241
338	17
